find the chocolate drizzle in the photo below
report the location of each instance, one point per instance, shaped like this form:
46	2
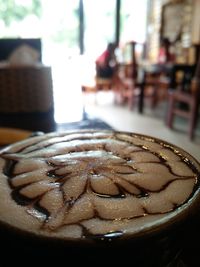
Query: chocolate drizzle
70	170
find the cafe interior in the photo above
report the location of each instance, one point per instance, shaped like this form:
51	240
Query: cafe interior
155	86
49	79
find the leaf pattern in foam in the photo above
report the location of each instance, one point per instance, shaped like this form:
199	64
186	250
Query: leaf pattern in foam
69	179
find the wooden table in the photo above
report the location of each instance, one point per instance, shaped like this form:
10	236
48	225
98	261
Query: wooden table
150	70
156	70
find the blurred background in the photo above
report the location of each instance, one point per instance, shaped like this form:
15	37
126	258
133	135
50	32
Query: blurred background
73	33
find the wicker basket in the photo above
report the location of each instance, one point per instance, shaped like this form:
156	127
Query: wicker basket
25	89
26	98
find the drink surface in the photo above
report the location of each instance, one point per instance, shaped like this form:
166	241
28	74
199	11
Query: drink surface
87	184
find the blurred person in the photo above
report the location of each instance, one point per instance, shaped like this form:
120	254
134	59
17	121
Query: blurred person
165	54
106	62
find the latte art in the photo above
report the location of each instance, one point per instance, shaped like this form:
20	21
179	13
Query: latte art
93	183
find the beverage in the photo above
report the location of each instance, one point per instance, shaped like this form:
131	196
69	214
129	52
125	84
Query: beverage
97	188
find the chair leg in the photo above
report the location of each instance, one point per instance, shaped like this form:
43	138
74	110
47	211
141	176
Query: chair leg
131	101
193	119
170	114
154	97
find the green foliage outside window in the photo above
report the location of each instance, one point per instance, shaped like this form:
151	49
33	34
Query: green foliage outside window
67	32
11	10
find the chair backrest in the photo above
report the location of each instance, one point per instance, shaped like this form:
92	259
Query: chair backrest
132	54
181	76
26	92
134	61
196	80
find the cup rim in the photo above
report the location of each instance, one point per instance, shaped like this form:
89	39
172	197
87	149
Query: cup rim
169	220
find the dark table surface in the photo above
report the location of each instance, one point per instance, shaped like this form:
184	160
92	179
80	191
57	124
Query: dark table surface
87	123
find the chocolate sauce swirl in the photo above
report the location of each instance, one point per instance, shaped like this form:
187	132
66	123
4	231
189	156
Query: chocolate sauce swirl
96	182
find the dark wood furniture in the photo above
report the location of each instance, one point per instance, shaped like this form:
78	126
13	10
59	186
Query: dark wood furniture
140	81
184	96
150	80
130	77
148	83
127	73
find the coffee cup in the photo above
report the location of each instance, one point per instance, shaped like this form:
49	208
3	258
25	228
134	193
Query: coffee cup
106	196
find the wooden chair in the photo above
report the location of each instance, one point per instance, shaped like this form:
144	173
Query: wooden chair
97	84
131	82
184	96
127	73
103	84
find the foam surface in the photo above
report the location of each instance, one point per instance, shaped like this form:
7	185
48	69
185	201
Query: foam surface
82	184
